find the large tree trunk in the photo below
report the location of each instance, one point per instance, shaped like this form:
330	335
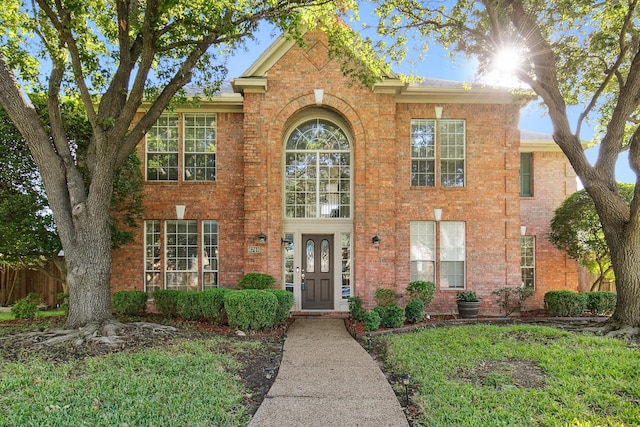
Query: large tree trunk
625	258
88	260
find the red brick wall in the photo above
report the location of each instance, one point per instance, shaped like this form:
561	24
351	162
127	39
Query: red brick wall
246	199
553	181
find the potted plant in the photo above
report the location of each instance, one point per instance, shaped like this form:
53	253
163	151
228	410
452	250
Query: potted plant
468	304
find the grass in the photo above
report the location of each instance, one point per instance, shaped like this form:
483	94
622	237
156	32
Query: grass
7	315
588	380
186	383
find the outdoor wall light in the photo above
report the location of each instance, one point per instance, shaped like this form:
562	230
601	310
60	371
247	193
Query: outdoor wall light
262	238
180	211
438	110
523	230
437	214
375	240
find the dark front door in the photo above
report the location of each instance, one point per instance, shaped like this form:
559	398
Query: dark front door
317	274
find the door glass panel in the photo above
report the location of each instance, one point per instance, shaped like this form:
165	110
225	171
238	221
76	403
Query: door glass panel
324	256
311	248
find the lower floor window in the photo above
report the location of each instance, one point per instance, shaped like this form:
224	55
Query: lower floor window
528	260
450	253
181	255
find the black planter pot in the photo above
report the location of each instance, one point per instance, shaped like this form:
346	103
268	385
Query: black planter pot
468	309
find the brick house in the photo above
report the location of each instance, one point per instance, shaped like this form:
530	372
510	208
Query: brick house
336	189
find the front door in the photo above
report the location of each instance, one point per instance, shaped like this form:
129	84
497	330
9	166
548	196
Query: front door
317	273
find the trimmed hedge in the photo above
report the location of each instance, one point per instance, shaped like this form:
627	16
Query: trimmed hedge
251	309
371	321
391	316
424	291
211	303
285	301
565	303
256	281
188	305
385	297
356	309
601	303
166	301
414	311
130	303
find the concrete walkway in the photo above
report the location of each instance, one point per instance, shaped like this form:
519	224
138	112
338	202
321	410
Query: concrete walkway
327	379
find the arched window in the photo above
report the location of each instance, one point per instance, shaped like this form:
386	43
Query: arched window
317	171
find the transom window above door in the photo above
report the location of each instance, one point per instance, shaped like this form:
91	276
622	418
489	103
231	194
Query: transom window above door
317	171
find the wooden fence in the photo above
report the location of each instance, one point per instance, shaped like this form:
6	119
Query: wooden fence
17	284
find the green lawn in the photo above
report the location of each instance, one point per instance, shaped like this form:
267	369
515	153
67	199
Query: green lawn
7	315
189	382
472	376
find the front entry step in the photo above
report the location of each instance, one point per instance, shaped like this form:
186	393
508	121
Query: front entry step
319	314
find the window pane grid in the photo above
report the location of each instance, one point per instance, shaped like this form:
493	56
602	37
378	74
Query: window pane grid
452	254
423	153
200	138
527	260
423	246
209	254
452	153
162	149
345	239
152	258
181	246
317	172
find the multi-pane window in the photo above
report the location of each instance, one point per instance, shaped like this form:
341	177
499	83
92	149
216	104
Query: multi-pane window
423	153
199	147
152	257
345	239
452	254
426	146
423	249
452	157
317	171
184	257
209	254
528	260
526	174
196	145
162	149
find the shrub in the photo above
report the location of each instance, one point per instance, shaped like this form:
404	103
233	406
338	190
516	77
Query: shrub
356	309
601	303
211	303
564	303
188	305
385	297
130	303
256	281
27	307
166	301
512	298
414	311
251	309
421	290
285	301
371	321
467	296
391	316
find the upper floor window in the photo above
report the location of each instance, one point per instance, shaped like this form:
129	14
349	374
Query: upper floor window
526	174
424	153
317	171
182	145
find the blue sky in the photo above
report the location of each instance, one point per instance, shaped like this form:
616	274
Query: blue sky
436	64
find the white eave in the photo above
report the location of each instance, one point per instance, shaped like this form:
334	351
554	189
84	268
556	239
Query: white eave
444	91
225	102
531	141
